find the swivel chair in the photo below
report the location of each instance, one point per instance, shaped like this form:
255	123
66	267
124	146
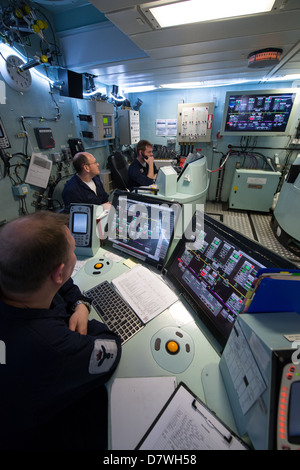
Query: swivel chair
118	166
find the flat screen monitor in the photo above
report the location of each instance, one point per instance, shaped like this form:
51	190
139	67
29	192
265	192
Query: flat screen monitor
142	226
214	270
259	113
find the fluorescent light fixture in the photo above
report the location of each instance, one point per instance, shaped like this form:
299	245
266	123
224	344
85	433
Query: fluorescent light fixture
207	83
139	89
193	11
182	85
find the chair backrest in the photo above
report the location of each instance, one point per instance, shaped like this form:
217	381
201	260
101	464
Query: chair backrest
118	165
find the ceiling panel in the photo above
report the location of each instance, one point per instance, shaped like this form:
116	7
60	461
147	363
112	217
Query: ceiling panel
136	52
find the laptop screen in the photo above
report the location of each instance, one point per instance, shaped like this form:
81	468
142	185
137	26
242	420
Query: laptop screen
142	226
213	268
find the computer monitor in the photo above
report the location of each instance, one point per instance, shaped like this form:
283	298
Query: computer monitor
142	226
213	268
259	113
83	227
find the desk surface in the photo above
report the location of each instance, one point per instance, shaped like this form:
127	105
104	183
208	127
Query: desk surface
196	363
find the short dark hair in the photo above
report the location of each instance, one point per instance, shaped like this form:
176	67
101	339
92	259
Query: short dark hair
31	247
141	145
79	160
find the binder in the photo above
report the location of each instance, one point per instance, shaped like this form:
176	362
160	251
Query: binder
274	290
185	423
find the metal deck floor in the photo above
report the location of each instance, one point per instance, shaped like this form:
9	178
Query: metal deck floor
253	225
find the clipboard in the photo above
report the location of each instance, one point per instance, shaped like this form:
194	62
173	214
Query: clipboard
185	423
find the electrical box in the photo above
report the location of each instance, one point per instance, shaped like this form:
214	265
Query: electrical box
20	190
66	155
129	126
253	189
194	122
44	137
56	157
102	124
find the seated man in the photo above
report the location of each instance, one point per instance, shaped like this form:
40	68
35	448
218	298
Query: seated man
85	186
142	171
57	362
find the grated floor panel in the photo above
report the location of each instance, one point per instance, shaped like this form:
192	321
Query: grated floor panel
253	225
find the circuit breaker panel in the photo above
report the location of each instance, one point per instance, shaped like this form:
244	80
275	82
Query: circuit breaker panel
129	126
194	122
102	124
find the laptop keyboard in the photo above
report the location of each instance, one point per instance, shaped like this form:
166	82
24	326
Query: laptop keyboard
117	315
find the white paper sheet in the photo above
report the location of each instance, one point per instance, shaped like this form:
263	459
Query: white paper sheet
135	403
186	424
145	292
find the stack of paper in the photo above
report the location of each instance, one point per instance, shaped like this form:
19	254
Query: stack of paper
145	292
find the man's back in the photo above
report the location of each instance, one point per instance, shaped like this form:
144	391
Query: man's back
48	367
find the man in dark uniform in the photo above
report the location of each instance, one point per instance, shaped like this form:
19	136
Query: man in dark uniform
85	187
52	393
142	171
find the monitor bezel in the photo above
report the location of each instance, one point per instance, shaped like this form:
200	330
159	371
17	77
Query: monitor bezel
252	248
148	199
241	133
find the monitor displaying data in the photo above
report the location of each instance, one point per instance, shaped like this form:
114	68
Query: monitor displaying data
259	113
215	269
142	226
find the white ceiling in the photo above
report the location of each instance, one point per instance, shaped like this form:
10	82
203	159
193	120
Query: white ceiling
128	50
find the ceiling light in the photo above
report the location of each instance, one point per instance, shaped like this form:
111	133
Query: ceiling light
207	83
181	85
190	11
139	89
264	57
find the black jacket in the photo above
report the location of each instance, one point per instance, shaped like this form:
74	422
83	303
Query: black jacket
137	175
76	191
48	366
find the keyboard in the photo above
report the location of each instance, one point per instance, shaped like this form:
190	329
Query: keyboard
117	315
